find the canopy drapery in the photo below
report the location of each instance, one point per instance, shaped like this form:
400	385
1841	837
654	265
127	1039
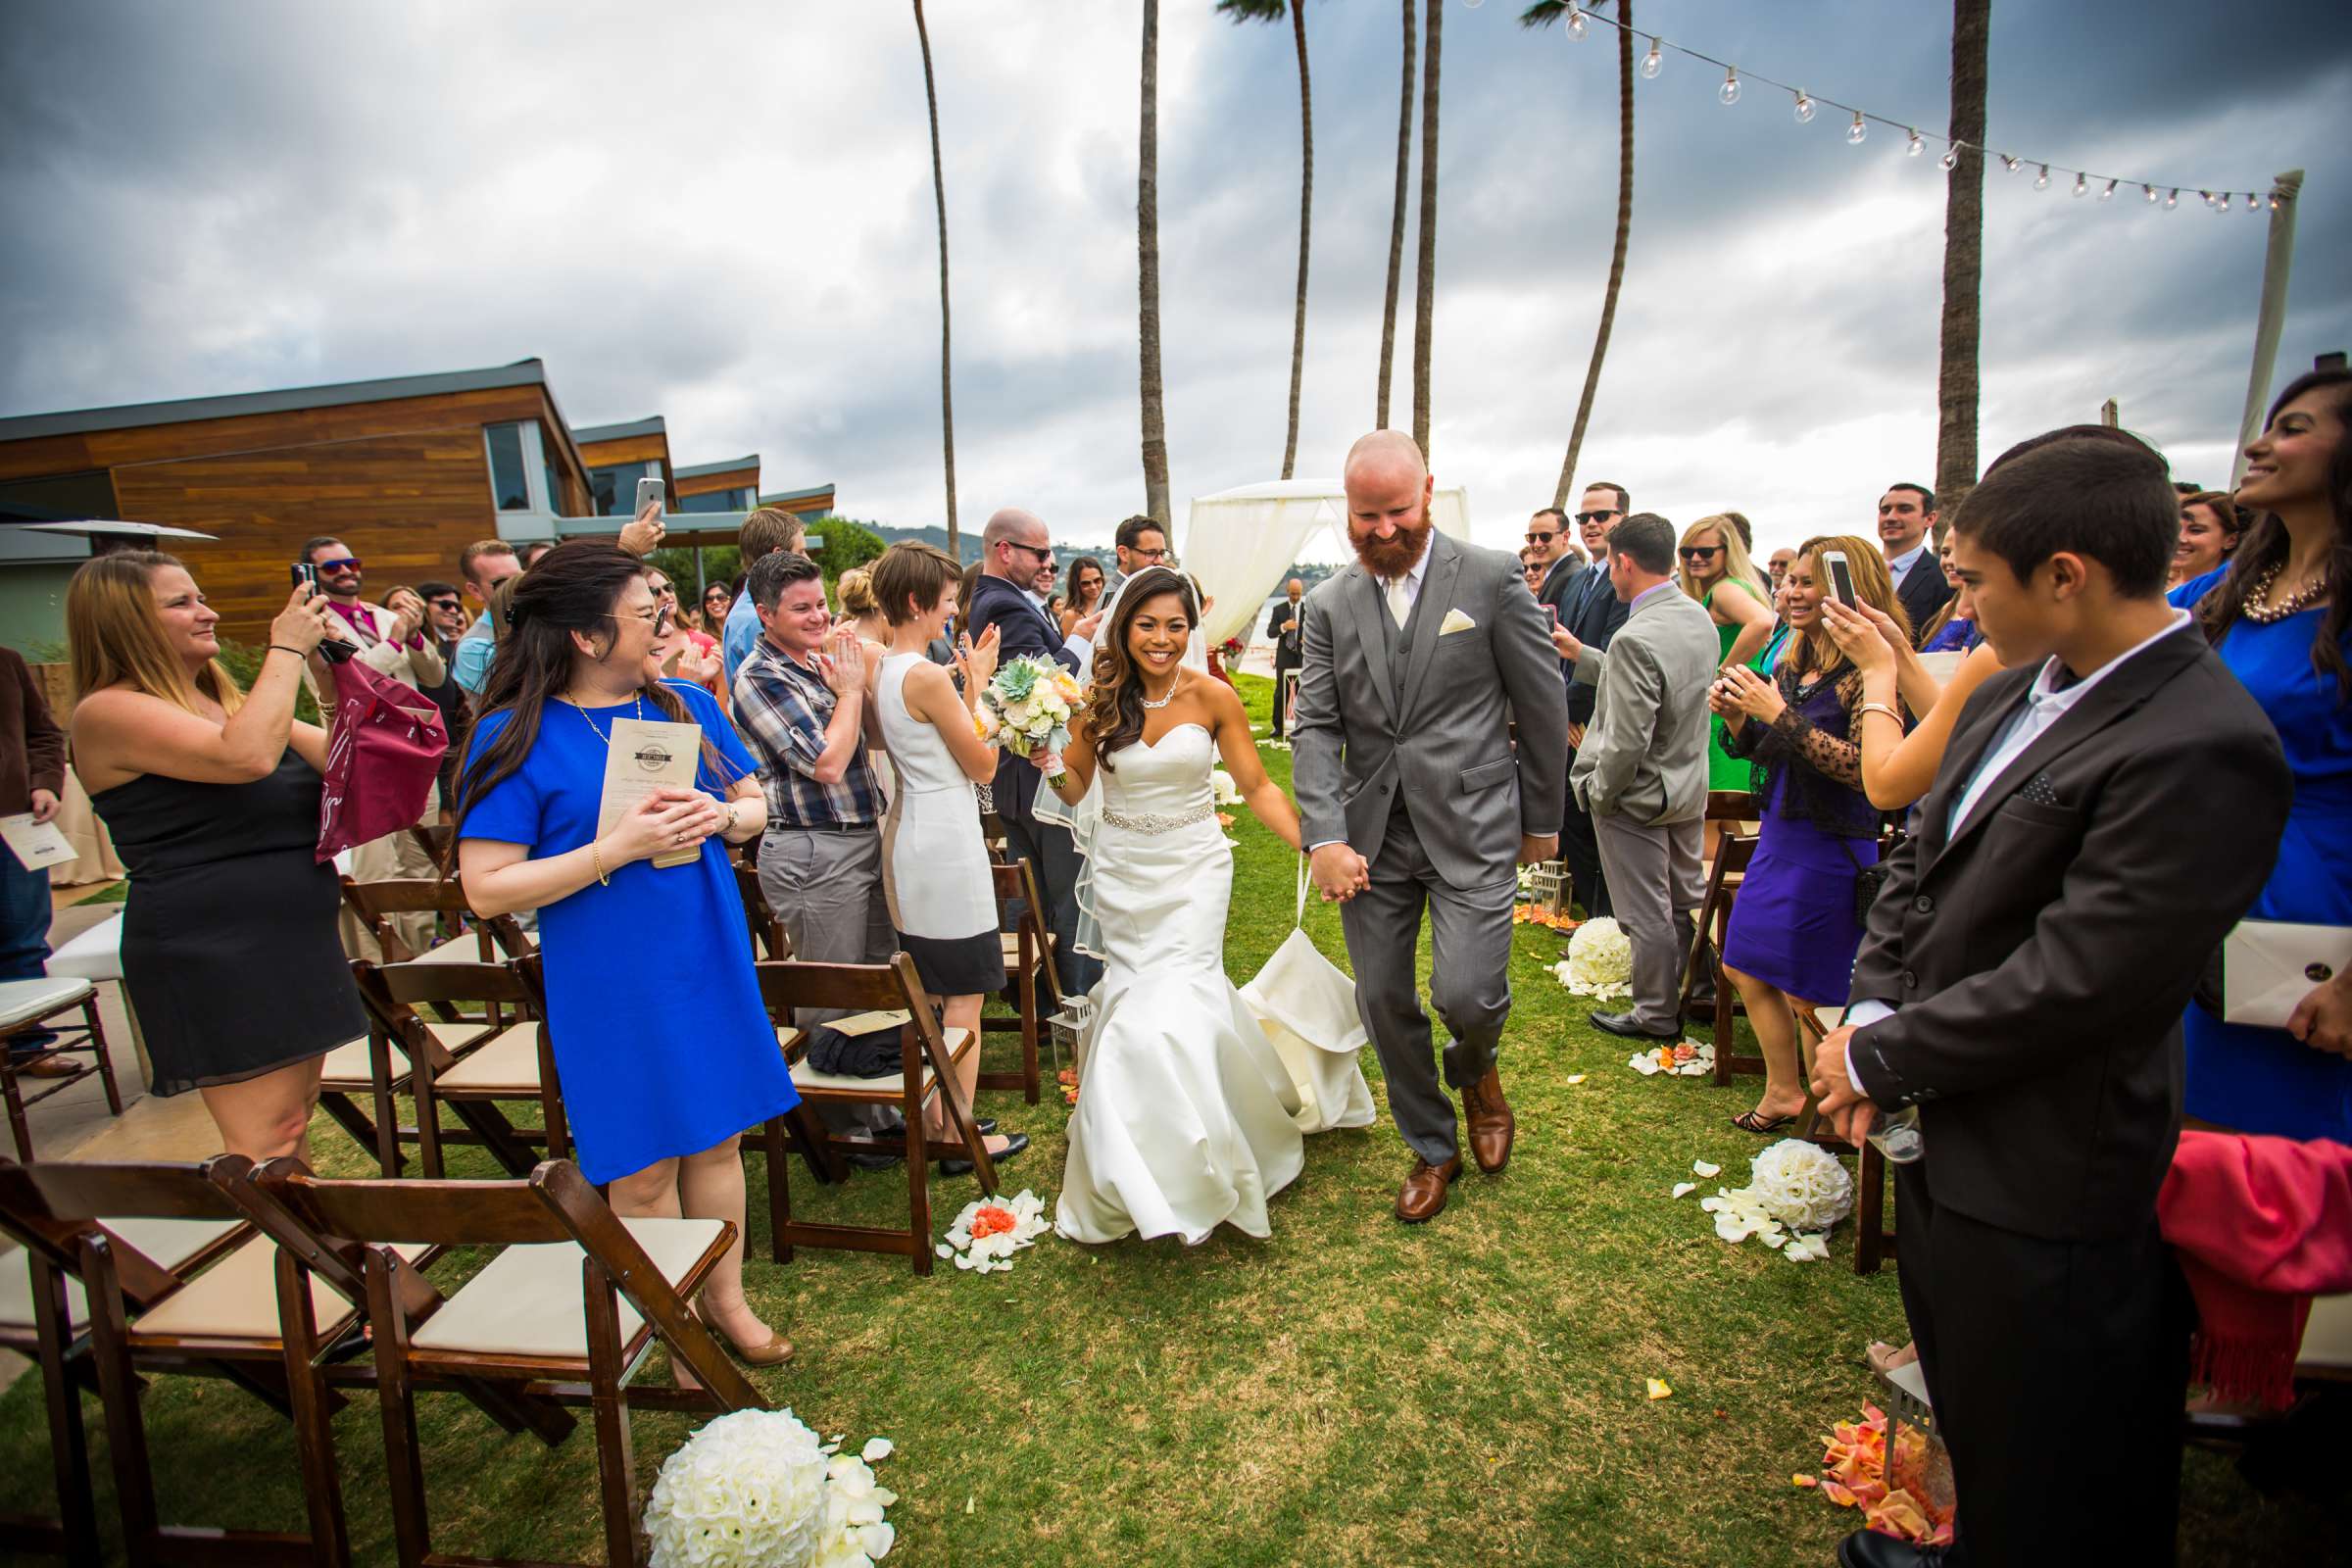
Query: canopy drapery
1240	542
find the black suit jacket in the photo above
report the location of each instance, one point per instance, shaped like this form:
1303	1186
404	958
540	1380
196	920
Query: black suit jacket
1592	611
1923	592
1021	628
2040	959
1287	650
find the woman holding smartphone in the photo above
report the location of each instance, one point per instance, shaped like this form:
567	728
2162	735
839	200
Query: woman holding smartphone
663	1048
1794	931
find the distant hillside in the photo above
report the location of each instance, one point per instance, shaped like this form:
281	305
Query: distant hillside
969	540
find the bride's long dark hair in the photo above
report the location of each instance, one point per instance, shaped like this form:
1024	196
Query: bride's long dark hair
1115	708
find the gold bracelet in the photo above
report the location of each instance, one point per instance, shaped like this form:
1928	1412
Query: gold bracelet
1879	707
596	859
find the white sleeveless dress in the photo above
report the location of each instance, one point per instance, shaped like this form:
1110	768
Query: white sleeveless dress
1185	1120
935	875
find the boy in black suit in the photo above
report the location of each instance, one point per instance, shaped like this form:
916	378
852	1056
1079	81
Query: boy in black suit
2021	984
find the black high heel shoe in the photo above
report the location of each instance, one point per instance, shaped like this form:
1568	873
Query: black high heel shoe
1015	1143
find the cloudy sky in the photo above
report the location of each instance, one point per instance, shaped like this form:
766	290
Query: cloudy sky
722	214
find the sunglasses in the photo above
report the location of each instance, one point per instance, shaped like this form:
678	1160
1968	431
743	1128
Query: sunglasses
1542	538
445	604
1595	517
1701	551
347	563
1044	554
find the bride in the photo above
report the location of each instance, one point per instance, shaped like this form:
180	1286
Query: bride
1186	1118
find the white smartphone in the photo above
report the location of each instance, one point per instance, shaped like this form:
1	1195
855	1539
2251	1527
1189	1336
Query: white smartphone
1842	575
649	494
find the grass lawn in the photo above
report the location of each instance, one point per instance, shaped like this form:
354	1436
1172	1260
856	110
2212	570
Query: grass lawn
1352	1391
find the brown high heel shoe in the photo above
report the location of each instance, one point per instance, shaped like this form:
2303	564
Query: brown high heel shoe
774	1350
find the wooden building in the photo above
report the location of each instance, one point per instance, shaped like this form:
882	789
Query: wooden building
618	455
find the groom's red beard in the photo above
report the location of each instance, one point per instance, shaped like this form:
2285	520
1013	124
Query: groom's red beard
1395	556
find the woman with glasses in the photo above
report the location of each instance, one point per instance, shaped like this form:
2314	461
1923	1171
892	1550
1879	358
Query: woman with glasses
1718	574
658	1077
698	655
1083	593
717	599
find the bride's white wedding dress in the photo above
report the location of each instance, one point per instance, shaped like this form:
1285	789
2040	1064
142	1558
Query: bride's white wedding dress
1186	1115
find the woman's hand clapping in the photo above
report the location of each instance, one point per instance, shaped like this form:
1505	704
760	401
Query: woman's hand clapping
977	662
1749	694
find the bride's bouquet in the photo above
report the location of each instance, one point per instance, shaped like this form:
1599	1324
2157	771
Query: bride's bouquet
1027	708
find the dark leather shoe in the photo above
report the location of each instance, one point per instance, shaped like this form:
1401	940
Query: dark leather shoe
1622	1025
1015	1143
1868	1549
1491	1122
1423	1195
865	1162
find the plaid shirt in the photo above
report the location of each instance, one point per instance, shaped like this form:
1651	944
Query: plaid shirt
782	710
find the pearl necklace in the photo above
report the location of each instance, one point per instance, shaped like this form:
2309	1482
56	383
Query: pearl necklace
2294	604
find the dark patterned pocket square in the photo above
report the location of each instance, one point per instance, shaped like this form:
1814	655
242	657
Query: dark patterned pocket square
2041	791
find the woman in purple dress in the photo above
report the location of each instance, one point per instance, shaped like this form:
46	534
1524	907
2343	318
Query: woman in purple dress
1793	931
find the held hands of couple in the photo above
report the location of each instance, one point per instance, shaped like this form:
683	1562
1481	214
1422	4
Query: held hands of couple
1339	872
1847	1109
664	820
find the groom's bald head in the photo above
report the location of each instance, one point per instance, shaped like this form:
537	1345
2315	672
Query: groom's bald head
1384	454
1388	489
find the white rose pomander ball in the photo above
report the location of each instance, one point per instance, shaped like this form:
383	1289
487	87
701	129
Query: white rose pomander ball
1801	1185
1600	961
747	1490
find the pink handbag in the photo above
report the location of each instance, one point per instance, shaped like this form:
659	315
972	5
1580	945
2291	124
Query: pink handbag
382	756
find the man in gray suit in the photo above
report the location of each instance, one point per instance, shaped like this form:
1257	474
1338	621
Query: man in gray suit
1416	660
1643	770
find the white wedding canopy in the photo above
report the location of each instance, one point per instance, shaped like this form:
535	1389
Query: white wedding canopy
1240	542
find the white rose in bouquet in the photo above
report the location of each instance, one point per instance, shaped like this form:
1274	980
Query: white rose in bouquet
1600	961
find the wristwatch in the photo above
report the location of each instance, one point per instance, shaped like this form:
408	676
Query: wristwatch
730	827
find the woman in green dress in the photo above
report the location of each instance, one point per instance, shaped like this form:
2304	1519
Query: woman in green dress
1718	574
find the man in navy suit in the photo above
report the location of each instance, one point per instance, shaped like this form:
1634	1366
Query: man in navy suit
1907	537
1017	573
1589	615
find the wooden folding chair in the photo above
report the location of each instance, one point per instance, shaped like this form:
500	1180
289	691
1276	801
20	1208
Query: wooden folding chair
1714	923
514	1064
492	937
29	1004
769	940
115	1251
926	1055
1030	989
374	1069
566	1312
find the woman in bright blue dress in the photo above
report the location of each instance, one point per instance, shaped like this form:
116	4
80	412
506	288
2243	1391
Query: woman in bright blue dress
2281	622
662	1047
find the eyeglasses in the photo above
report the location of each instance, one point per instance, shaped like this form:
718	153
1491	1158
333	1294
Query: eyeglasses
1146	554
662	619
1595	517
347	563
1701	551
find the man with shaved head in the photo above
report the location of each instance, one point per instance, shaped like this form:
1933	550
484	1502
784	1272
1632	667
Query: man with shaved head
1016	575
1411	796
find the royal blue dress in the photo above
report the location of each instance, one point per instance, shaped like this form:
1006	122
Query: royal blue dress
659	1039
2266	1080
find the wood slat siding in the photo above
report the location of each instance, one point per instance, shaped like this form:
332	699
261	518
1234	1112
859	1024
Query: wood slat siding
630	449
405	504
728	479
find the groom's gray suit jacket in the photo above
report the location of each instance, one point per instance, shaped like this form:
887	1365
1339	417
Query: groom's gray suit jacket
1429	711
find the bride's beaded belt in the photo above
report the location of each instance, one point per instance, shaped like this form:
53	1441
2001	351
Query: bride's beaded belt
1160	821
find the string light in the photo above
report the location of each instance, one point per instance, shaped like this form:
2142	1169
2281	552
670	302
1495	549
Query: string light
1914	143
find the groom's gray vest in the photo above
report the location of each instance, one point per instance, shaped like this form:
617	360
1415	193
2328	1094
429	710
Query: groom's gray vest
1426	714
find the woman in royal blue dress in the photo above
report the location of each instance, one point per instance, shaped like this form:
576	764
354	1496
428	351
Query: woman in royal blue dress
664	1050
2278	616
1793	933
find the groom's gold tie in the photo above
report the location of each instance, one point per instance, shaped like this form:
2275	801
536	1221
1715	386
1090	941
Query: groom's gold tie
1398	606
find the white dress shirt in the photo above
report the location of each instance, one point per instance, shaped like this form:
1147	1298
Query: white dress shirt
2044	706
1414	576
1897	565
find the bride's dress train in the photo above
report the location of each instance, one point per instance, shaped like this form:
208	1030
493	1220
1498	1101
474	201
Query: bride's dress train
1187	1118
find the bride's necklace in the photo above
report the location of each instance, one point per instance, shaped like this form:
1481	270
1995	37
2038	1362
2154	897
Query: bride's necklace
637	706
2254	609
1163	701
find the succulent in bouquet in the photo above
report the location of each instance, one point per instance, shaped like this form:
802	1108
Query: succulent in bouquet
1026	707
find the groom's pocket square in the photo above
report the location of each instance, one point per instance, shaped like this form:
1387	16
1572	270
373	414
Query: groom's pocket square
1454	622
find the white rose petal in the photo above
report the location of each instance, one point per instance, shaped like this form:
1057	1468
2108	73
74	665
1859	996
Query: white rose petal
1684	1189
1699	1167
877	1449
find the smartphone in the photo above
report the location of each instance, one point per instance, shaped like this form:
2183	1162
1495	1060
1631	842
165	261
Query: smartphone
334	650
1551	617
1841	576
649	494
305	575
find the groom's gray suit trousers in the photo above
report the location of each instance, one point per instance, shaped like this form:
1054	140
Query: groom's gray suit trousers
1470	935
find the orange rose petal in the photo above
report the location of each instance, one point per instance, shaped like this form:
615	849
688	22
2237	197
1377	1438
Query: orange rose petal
1802	1479
1838	1495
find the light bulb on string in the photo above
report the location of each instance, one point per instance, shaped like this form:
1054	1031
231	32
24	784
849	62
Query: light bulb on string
2220	203
1728	92
1576	22
1652	61
2108	195
2276	202
1857	130
2206	197
1805	107
2041	181
2081	185
1914	147
2148	191
2174	200
1951	157
2010	165
2249	201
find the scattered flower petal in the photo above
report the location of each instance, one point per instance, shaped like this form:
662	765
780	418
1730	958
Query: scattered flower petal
1699	1167
1800	1479
877	1449
1576	1077
1684	1189
1658	1388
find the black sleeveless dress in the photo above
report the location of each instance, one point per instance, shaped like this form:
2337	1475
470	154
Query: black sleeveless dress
229	949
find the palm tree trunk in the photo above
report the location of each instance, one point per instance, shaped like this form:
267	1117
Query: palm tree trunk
1404	160
1625	224
1147	245
1962	260
939	193
1306	203
1425	281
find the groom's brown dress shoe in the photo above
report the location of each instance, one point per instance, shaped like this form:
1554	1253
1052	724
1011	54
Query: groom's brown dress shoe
1424	1194
1491	1122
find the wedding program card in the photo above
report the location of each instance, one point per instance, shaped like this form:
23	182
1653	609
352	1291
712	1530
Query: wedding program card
37	846
648	755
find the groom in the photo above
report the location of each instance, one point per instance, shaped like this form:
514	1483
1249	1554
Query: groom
1417	658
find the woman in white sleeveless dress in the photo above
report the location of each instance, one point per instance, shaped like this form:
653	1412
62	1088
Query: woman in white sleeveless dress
1184	1121
935	875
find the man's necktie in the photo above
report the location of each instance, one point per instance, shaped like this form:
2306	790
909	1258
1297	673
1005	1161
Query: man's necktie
1398	606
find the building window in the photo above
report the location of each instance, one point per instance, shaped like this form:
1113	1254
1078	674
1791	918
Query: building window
518	477
614	486
737	500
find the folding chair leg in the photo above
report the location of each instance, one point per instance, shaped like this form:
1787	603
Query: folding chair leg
119	1394
615	1463
779	1191
69	1441
918	1182
313	1431
106	1067
17	1127
403	1457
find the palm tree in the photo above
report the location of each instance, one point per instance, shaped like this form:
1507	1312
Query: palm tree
1963	259
1147	245
1425	281
1272	10
939	194
1405	159
1543	16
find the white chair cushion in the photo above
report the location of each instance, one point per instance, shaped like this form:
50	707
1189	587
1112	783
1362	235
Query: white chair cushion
1830	1017
509	1064
168	1244
346	1067
23	1001
2328	1336
236	1298
95	954
528	1301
